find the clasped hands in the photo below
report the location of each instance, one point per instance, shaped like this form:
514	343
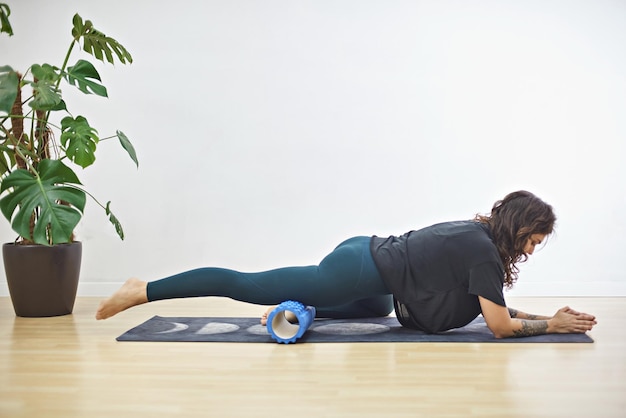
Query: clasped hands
566	320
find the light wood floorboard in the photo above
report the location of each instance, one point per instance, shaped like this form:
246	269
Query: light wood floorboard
71	366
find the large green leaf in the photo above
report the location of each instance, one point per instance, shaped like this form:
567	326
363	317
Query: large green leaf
59	206
8	88
128	147
79	140
97	43
46	97
45	72
82	75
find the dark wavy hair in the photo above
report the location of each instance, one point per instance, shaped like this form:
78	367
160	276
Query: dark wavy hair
512	221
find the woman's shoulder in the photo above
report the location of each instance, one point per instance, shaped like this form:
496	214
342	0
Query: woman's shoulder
469	237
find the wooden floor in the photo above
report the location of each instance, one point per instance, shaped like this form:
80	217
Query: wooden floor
72	366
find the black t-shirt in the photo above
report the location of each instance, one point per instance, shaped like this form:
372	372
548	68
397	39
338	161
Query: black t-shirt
437	273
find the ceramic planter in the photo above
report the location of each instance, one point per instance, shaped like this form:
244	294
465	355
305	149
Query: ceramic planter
42	280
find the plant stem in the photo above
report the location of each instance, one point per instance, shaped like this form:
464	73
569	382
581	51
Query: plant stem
73	186
65	61
31	168
67	58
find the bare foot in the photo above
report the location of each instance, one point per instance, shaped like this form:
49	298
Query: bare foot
291	317
266	314
132	293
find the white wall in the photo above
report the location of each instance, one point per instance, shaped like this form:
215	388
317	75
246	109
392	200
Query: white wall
269	131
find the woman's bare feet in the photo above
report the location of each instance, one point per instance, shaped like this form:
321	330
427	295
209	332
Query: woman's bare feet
132	293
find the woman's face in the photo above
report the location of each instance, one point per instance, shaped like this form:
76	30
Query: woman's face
533	241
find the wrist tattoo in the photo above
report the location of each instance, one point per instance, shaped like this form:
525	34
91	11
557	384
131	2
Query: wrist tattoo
530	328
516	314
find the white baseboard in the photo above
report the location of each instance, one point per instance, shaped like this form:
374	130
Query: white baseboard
543	289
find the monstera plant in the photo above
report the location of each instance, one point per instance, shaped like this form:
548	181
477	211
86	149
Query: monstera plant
41	139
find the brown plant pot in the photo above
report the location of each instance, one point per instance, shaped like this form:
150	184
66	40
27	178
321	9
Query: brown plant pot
42	280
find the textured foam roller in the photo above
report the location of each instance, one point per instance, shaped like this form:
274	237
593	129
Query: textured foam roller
281	329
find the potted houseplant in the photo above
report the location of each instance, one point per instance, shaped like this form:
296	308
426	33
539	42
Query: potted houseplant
40	194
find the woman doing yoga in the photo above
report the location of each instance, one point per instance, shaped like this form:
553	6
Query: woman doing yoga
436	278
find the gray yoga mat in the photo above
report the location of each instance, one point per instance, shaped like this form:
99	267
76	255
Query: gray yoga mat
387	329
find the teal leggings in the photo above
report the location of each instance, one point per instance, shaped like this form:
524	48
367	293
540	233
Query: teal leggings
346	284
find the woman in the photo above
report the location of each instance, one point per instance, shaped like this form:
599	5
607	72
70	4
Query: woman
437	278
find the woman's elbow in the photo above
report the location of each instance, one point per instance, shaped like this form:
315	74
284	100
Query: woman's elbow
500	333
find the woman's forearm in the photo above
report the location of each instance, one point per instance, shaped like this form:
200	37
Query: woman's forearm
523	315
523	328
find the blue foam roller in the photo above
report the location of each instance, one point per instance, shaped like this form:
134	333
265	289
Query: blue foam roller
284	331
